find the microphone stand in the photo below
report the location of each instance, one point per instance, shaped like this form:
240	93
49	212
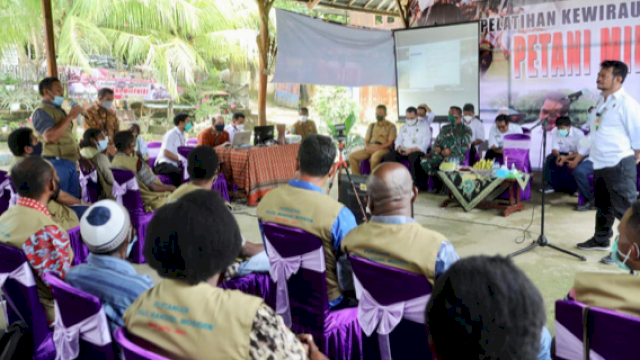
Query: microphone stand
542	239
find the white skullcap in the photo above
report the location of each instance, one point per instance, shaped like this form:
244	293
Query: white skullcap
105	226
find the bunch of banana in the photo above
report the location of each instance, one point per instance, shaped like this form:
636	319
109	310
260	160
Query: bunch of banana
483	165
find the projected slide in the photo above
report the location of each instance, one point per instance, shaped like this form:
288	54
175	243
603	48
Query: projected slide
438	66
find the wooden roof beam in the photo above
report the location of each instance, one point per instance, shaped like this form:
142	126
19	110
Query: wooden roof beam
312	4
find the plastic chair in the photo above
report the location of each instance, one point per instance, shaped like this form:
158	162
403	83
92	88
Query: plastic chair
81	329
379	288
126	192
8	195
569	330
132	351
298	269
18	284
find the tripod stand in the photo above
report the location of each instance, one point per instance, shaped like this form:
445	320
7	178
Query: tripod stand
342	165
542	239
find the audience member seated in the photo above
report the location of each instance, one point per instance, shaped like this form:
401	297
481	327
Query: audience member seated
93	147
30	227
153	192
142	150
391	236
565	146
106	230
203	320
214	136
477	130
582	169
203	170
486	308
451	144
496	136
236	126
168	161
328	219
425	114
620	292
377	142
412	143
65	209
304	127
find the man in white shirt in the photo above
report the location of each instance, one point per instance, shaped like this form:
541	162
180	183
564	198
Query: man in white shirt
411	144
425	114
236	126
614	151
477	128
497	133
565	146
168	161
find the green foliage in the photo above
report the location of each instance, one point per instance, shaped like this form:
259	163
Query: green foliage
302	8
334	104
26	97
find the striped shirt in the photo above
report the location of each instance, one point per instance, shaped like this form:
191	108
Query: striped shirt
114	281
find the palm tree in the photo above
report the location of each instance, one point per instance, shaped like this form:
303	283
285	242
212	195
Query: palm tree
174	39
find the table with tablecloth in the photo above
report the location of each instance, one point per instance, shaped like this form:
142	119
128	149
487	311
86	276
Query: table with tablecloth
260	169
470	189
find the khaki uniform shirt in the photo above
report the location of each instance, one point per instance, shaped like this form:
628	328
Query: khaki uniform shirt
304	129
381	132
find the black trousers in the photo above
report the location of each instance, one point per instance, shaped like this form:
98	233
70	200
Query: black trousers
491	155
171	171
417	173
615	192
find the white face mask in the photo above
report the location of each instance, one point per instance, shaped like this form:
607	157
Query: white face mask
412	122
240	127
468	118
304	118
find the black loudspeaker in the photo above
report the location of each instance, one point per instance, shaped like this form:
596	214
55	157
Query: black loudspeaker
347	197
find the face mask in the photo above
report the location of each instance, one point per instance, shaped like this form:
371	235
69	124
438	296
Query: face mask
452	119
107	105
58	100
188	127
56	190
37	149
616	255
240	127
563	133
412	122
304	118
130	246
379	117
219	128
468	118
102	145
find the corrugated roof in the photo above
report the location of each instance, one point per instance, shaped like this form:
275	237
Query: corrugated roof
381	7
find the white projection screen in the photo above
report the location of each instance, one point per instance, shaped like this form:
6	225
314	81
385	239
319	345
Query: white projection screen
438	66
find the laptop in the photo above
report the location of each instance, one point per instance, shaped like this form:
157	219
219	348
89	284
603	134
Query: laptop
242	140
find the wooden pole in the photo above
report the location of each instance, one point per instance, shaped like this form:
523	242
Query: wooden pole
264	46
405	12
49	39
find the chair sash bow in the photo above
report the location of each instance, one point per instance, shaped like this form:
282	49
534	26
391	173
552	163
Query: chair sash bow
84	181
120	189
6	186
372	315
282	269
94	330
185	167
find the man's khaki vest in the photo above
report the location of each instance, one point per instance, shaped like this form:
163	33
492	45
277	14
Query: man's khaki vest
91	153
304	129
16	226
193	322
183	190
66	147
619	292
310	211
61	214
409	247
152	200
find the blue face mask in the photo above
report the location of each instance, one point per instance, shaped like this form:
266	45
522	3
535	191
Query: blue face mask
563	132
58	100
617	255
102	145
130	246
37	149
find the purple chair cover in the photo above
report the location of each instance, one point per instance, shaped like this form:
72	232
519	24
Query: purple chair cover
569	330
81	330
192	142
18	285
153	150
393	302
292	252
80	250
259	285
8	195
520	158
221	186
612	335
133	203
90	186
365	167
132	351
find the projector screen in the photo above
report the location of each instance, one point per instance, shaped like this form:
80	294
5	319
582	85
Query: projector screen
438	66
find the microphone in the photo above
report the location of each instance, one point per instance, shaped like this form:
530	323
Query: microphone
575	96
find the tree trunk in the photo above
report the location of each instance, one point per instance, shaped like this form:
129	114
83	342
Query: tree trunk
263	46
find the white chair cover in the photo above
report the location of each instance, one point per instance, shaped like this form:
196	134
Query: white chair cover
185	164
